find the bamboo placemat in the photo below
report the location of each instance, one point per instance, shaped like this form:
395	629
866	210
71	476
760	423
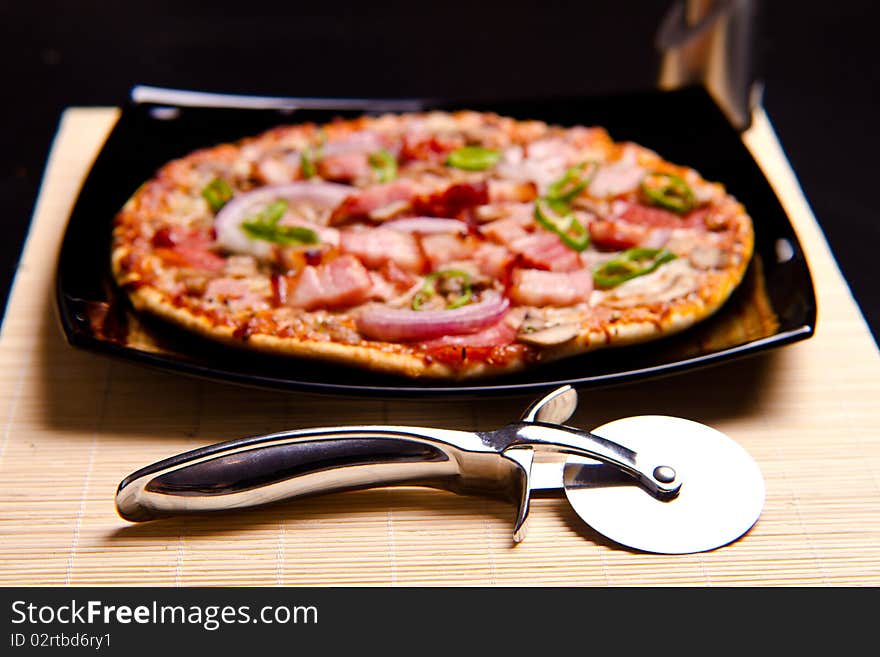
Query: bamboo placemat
73	424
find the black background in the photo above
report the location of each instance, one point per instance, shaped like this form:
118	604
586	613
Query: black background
818	61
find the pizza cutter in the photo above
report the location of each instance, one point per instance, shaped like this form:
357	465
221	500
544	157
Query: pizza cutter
652	483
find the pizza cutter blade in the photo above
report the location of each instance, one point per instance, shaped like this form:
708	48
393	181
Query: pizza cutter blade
654	483
720	499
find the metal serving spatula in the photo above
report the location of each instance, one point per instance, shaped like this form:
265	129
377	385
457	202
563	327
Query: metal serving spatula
653	483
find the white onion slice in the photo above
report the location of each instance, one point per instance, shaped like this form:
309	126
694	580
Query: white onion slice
427	225
227	223
395	324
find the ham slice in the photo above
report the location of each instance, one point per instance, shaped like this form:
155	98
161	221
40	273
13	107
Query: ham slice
341	282
532	287
374	247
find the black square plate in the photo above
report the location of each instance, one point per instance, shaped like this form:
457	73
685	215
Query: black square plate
775	304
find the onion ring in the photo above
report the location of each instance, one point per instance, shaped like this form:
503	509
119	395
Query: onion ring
399	324
227	223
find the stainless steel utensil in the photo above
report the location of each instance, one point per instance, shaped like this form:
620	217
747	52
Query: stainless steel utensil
712	42
653	483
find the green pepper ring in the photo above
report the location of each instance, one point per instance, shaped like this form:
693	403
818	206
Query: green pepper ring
429	289
384	164
217	193
473	158
555	191
573	233
626	265
675	194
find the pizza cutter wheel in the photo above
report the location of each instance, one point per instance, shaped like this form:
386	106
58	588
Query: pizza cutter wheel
652	483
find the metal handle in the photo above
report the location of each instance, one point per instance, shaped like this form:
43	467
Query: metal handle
659	479
263	469
712	42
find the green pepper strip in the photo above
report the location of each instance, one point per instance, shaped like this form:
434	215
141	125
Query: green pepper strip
672	192
310	155
571	231
217	193
265	227
429	289
473	158
307	160
629	265
572	183
384	164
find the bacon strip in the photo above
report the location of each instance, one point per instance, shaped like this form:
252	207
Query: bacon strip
532	287
616	235
506	231
636	213
345	167
452	201
508	191
426	147
493	260
187	249
341	282
440	249
374	247
359	205
544	250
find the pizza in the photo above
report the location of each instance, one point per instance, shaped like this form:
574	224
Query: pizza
448	245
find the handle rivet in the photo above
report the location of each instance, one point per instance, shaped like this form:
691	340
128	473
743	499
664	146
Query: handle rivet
664	474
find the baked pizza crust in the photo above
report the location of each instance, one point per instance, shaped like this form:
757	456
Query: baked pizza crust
629	326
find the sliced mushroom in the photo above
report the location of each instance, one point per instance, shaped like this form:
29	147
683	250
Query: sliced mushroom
673	280
551	336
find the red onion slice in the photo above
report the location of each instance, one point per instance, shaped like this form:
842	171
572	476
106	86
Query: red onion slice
497	335
227	223
427	225
397	324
